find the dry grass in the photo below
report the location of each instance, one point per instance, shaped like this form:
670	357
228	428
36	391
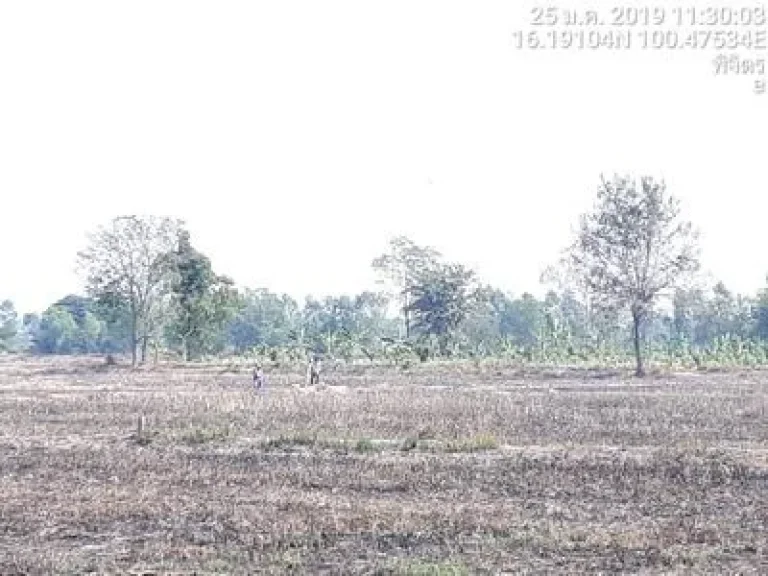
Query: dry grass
449	469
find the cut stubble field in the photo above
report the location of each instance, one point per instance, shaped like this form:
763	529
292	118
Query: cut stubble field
446	468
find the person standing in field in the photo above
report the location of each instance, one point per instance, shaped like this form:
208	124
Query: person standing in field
313	370
258	377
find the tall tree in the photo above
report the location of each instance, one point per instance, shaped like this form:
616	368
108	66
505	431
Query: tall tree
203	302
130	262
401	268
633	248
440	299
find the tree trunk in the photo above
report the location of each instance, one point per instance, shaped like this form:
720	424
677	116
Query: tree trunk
134	339
407	326
407	314
134	351
636	320
406	304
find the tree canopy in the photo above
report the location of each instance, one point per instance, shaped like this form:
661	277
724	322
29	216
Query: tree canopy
129	264
634	248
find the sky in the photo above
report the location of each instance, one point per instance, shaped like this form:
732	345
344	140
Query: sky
296	138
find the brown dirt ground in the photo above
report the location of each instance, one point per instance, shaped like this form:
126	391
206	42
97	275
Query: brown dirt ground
446	469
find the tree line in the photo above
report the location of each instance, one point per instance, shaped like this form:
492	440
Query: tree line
625	288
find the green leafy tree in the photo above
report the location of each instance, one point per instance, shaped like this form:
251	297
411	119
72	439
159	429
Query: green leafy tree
479	331
440	299
90	333
323	322
57	332
115	312
526	320
347	325
731	314
264	319
91	330
71	325
633	248
203	302
503	310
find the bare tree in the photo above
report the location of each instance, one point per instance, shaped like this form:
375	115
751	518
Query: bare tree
634	249
131	261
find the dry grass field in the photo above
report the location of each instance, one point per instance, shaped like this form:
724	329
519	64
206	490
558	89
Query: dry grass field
441	469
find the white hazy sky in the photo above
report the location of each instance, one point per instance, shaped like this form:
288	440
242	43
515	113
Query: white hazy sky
295	138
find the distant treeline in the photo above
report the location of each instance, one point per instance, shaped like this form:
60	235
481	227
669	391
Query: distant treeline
149	292
556	327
